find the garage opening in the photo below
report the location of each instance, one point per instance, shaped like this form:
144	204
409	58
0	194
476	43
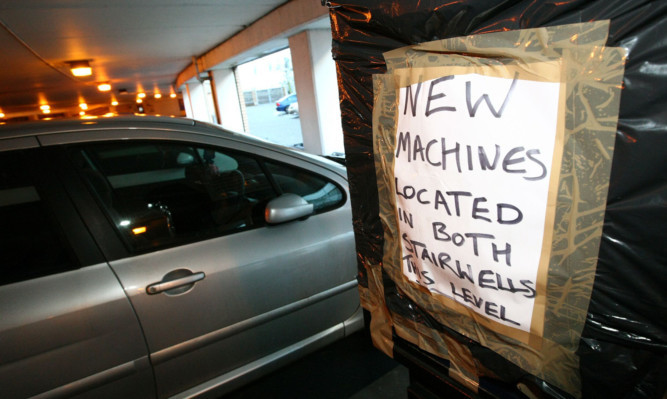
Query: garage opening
270	98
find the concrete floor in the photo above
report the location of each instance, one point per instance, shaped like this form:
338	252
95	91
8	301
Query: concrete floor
350	368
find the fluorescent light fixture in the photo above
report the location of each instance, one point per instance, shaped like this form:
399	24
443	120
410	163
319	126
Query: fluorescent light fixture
80	68
104	87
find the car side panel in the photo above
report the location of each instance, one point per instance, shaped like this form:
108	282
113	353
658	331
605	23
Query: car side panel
264	289
245	306
66	327
71	334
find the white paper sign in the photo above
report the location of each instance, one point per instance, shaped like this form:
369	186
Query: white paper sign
472	169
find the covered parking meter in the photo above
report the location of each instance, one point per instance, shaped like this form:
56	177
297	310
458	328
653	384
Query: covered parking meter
507	174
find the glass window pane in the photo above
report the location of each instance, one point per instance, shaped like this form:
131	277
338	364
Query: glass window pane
315	189
31	243
161	194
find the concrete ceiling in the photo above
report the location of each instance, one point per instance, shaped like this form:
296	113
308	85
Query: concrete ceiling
133	44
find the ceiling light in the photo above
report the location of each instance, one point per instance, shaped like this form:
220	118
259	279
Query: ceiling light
172	95
139	101
158	95
80	68
44	107
46	111
83	106
82	113
141	95
104	87
114	103
2	114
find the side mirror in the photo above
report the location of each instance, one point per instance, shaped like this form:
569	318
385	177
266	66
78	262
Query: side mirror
287	207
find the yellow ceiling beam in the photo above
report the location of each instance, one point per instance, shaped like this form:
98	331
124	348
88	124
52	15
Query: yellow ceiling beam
281	22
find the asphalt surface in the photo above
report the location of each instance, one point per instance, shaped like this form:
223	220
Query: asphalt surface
277	127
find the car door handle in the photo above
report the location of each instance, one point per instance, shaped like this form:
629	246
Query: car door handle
174	280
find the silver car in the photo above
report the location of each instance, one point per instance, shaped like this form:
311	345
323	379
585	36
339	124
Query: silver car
150	257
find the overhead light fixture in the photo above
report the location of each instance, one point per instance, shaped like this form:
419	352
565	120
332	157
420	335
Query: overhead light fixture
172	95
158	95
104	87
114	103
83	106
80	68
139	101
2	114
139	230
44	107
141	95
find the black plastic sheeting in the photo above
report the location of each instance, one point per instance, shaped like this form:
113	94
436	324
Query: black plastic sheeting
623	349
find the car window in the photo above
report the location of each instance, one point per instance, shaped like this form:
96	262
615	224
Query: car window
162	194
31	243
323	194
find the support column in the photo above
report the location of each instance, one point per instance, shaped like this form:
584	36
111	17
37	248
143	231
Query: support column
317	91
197	109
230	107
186	101
201	102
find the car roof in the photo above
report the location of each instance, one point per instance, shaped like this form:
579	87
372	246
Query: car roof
45	128
120	122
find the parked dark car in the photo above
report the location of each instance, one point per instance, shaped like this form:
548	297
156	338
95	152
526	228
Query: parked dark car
284	102
161	257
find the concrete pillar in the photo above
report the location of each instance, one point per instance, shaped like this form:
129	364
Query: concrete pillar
230	107
317	91
201	102
186	101
197	109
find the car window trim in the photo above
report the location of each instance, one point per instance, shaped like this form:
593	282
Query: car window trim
66	214
98	226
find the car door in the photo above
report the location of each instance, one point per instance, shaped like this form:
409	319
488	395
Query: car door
217	290
66	327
